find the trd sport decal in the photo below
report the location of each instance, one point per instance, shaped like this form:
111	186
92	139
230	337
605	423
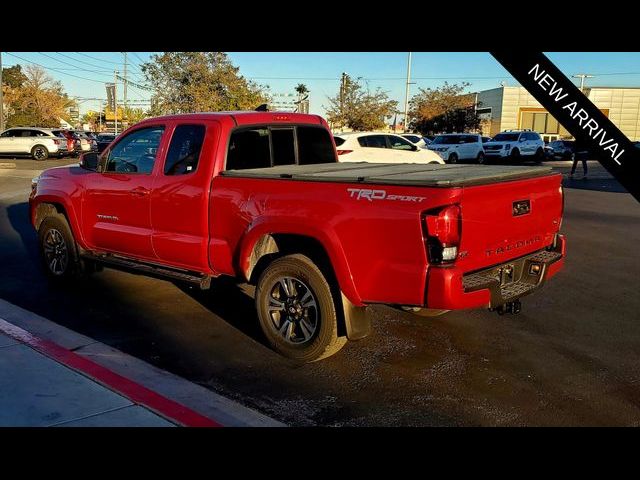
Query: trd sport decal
371	195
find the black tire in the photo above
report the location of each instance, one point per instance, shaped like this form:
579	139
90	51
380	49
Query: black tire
39	152
56	240
453	158
301	334
481	159
539	156
515	154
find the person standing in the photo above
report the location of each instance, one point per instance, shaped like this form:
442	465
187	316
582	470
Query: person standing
583	158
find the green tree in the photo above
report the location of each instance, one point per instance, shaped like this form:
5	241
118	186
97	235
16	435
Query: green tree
13	76
134	115
301	89
39	101
199	82
445	109
359	110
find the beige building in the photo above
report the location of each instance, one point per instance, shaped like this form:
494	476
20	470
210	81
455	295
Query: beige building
505	108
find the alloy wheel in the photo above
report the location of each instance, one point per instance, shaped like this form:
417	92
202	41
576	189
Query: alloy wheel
293	310
55	252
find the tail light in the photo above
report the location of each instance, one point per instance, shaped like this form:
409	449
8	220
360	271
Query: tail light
344	152
56	141
443	231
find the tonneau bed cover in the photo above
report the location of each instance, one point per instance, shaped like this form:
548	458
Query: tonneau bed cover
430	175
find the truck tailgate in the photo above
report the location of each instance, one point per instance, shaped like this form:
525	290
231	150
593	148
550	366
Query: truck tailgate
506	220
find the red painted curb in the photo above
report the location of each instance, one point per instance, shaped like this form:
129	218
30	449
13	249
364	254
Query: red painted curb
128	388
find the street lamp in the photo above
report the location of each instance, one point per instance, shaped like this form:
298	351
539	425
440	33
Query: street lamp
582	76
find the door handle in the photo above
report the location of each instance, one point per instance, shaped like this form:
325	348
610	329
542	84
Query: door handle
139	192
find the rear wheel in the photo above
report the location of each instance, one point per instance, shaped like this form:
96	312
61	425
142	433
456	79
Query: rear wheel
297	310
539	156
39	152
58	249
453	158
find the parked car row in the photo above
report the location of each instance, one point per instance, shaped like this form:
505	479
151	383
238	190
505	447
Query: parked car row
42	143
376	147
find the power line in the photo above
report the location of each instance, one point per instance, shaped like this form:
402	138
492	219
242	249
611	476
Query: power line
81	61
70	64
98	59
54	69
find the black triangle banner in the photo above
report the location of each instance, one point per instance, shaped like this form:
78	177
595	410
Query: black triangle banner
576	113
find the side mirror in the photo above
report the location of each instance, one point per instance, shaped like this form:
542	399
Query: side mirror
522	139
415	148
89	161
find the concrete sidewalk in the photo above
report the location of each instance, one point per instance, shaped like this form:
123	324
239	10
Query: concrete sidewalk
36	391
53	376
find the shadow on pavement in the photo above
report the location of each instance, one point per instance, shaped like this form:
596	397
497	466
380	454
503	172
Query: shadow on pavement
18	215
228	301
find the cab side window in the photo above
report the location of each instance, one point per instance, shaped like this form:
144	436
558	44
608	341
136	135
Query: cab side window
184	150
136	152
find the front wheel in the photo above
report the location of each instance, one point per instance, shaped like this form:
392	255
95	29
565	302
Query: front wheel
297	311
58	249
453	158
481	159
539	156
515	154
39	152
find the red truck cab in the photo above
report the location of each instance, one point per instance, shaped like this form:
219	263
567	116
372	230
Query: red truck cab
262	198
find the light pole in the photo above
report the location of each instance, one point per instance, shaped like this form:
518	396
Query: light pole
582	76
1	98
406	94
115	101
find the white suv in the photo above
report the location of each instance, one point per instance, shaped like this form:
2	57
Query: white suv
458	146
376	147
40	143
515	145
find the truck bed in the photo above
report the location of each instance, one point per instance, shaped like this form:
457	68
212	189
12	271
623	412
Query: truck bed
396	174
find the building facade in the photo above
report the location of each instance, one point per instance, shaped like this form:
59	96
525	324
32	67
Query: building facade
505	108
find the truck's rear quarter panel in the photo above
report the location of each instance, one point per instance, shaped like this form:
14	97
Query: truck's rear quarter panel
376	245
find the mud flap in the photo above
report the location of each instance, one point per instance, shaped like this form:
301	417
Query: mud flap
356	319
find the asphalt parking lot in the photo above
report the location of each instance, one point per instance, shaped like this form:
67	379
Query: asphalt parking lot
570	357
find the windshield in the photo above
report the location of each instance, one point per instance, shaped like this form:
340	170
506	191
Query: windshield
446	140
506	137
412	138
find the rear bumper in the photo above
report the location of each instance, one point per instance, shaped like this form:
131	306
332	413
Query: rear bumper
450	289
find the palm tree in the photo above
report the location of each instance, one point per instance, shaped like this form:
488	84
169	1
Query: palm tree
303	94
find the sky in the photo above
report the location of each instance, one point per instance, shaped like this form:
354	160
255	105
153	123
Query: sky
321	71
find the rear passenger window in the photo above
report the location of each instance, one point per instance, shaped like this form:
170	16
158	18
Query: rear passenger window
314	146
184	150
249	149
373	141
284	149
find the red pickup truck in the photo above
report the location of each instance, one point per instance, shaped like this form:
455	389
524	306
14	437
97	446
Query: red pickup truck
260	196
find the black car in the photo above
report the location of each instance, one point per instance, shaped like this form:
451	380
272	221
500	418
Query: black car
566	150
103	140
